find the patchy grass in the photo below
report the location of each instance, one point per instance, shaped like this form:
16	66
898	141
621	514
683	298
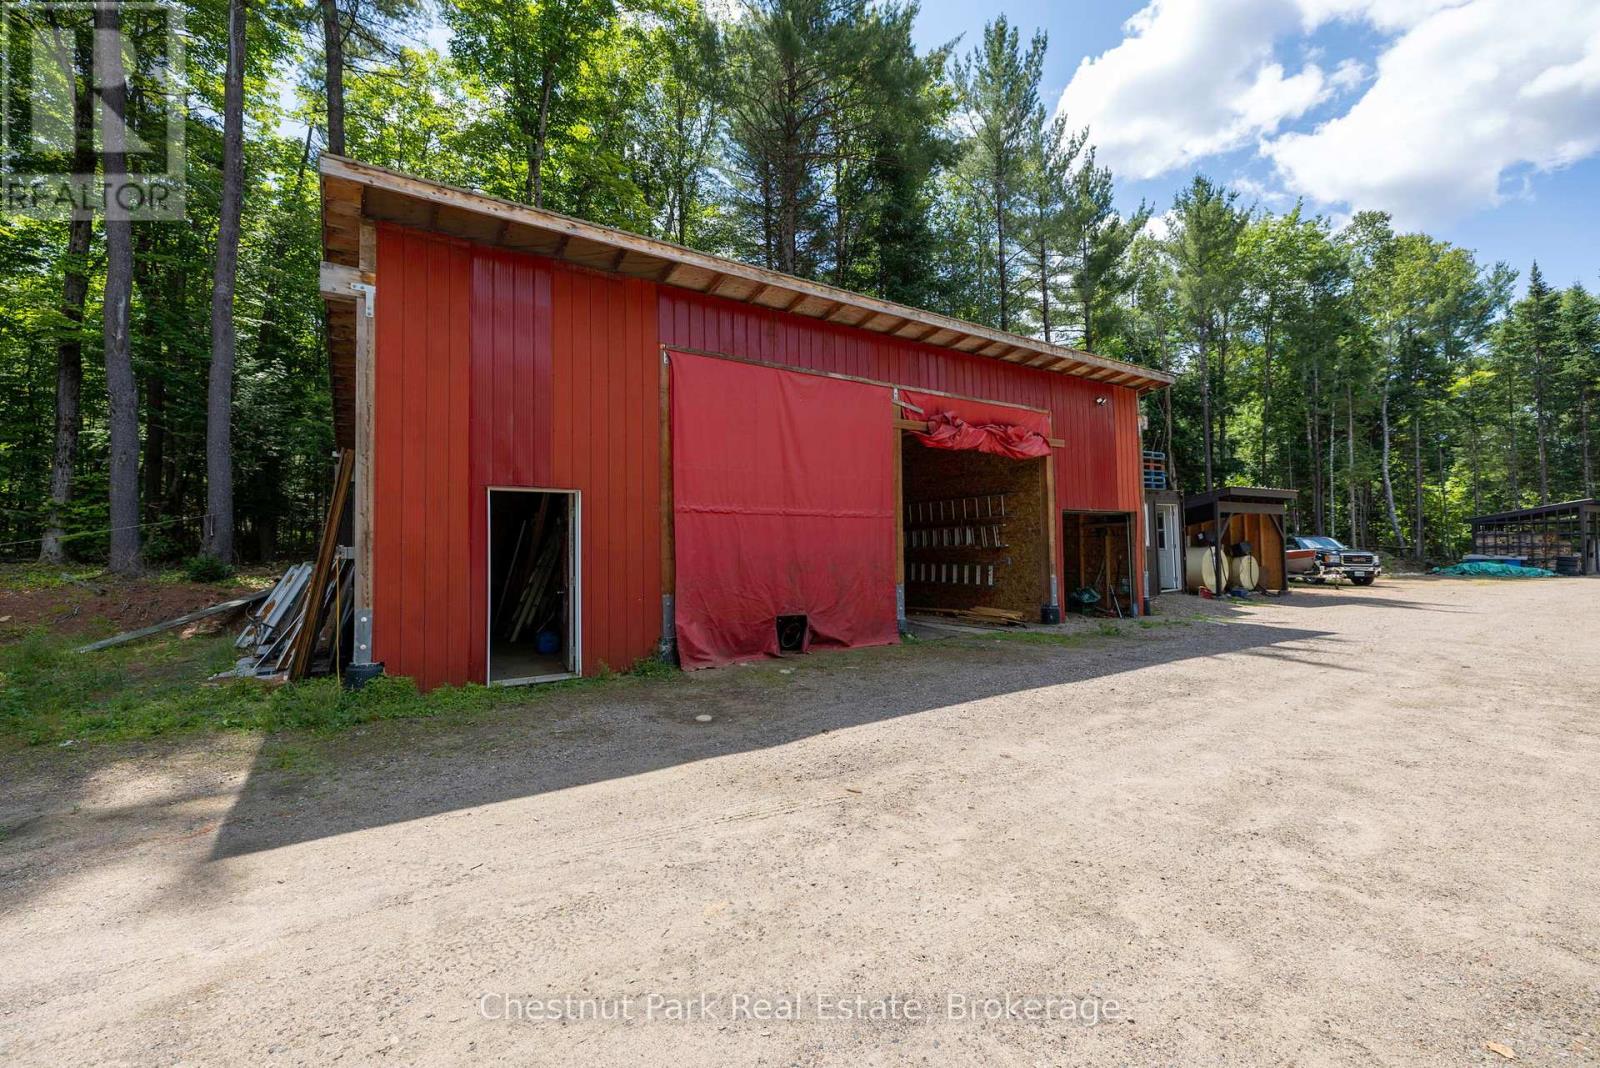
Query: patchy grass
35	576
51	694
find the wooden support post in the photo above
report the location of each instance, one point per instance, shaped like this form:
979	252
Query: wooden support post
669	570
899	513
361	487
1052	518
1220	586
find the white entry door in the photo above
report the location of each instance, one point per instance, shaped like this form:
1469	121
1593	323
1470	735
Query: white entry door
1168	561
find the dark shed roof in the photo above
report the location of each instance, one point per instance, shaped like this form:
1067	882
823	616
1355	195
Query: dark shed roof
1226	495
1537	512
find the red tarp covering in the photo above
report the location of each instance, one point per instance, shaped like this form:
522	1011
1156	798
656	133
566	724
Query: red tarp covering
783	504
1000	429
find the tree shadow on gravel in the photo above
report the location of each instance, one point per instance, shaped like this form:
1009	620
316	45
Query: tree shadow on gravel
394	772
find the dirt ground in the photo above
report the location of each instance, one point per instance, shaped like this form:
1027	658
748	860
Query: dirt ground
1350	826
107	604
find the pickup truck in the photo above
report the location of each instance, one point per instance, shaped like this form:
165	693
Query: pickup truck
1317	559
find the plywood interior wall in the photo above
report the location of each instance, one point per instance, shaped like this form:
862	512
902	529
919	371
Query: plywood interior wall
1096	549
949	514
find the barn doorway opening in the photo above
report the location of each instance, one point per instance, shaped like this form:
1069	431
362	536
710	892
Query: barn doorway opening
533	586
974	530
1097	550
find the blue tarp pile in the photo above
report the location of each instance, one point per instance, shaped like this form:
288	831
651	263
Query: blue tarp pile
1489	569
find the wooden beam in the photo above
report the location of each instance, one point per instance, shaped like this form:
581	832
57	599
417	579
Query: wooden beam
669	571
362	512
336	279
899	497
190	617
1052	521
323	571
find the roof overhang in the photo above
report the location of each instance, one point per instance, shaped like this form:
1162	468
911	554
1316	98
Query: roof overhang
1241	497
1539	511
353	192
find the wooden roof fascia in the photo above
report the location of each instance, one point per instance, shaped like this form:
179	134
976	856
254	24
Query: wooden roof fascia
344	170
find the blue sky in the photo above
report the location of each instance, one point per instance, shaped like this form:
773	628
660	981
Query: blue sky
1475	120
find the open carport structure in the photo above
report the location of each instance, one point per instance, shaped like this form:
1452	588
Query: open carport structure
1563	537
575	446
1235	522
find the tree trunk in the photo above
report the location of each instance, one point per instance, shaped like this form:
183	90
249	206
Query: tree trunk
1473	452
1583	431
155	442
1330	494
1205	404
1266	398
1350	448
1419	542
1044	289
74	292
333	74
536	165
1316	480
1512	461
1314	453
1222	397
1388	484
1000	253
121	392
1172	453
1541	430
219	397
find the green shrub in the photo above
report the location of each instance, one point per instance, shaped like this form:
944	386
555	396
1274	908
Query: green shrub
206	568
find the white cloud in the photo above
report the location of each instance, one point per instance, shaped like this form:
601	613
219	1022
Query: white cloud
1192	78
1462	96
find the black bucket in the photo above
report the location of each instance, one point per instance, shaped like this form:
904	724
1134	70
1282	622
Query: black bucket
358	675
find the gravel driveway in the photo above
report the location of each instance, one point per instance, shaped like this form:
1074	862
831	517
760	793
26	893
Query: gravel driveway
1348	826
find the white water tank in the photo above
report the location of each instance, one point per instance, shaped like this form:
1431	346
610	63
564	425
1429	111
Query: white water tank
1245	571
1200	569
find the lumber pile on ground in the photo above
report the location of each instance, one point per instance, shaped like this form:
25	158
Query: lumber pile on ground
277	626
982	616
299	629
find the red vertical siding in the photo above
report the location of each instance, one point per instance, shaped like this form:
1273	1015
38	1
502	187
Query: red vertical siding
423	514
499	369
569	364
1097	470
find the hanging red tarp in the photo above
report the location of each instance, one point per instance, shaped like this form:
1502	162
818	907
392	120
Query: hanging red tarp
998	429
783	504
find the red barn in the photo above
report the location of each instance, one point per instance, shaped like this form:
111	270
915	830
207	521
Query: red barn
576	447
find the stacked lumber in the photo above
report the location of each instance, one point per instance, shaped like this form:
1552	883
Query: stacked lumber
531	595
277	626
296	631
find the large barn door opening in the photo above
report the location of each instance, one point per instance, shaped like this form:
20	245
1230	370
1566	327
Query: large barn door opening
975	508
533	586
783	511
975	533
